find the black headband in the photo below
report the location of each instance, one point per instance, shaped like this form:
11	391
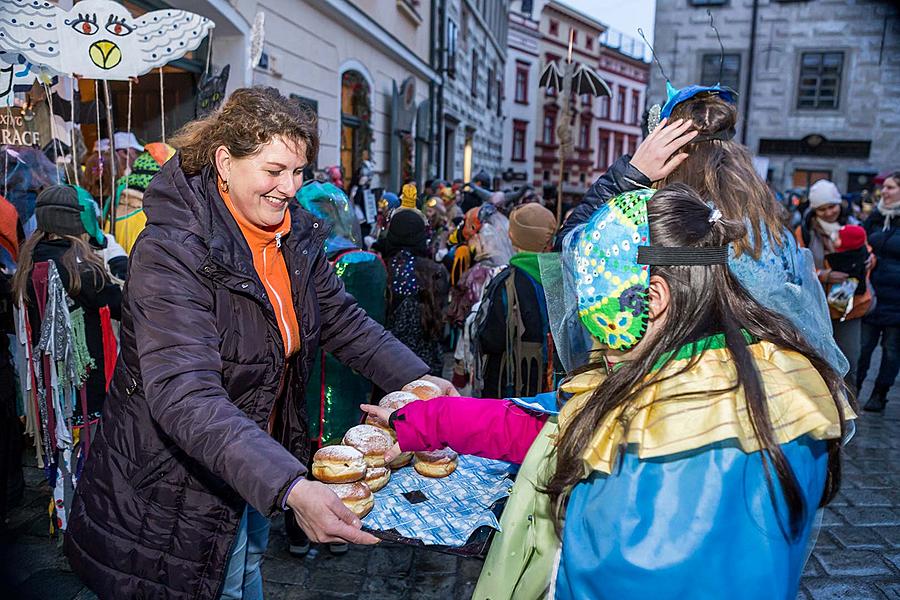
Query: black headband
724	135
671	256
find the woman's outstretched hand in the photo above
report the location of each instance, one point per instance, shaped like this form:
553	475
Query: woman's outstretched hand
658	155
322	515
384	414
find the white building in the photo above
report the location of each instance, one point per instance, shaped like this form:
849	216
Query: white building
521	97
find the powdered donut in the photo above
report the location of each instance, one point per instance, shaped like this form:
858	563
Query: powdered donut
356	496
401	461
424	390
377	478
436	463
338	464
371	441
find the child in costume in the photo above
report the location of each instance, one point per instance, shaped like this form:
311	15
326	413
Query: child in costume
130	217
687	463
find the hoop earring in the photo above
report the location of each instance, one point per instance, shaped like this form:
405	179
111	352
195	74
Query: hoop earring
224	186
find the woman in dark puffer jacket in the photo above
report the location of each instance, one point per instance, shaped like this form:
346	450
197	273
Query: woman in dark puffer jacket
883	323
204	433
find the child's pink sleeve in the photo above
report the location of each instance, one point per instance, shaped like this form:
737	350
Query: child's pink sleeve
495	429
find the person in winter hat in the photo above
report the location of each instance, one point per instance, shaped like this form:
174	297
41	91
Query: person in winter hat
66	222
820	231
130	217
417	288
512	326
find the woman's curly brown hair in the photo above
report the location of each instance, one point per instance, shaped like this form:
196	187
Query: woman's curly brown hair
250	118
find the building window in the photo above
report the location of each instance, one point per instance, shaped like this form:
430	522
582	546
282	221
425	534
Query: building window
549	127
589	43
584	133
632	144
500	96
618	148
635	107
820	80
490	87
708	2
620	105
474	81
554	27
728	65
356	116
452	36
803	178
604	107
521	83
603	151
520	130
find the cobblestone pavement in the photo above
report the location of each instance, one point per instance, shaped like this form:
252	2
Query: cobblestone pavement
857	554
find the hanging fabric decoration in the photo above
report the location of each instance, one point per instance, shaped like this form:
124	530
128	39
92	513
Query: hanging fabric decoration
257	38
98	39
55	372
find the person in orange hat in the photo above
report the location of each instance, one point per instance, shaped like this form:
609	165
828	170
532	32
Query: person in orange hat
11	233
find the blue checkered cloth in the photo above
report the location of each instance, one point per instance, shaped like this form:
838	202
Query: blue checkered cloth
456	505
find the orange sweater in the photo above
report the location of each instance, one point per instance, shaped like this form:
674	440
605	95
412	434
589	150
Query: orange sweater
265	245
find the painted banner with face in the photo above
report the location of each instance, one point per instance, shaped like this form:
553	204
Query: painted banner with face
98	39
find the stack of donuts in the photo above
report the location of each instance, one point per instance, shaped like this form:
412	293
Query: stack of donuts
356	468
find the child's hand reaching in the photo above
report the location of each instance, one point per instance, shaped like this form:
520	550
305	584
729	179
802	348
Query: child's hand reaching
384	414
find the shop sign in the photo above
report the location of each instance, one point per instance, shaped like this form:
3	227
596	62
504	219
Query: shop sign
13	132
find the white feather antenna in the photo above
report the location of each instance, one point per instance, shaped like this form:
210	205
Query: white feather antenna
257	39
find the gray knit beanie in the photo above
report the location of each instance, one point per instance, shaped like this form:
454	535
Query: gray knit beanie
58	211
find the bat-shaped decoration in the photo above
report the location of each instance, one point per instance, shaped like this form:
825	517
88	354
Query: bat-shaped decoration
581	80
98	39
551	78
211	91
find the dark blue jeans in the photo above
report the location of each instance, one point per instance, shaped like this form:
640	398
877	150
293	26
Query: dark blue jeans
890	354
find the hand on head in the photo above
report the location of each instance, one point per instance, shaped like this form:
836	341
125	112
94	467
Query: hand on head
658	155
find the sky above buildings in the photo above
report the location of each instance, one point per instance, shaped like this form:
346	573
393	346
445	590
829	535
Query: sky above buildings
623	15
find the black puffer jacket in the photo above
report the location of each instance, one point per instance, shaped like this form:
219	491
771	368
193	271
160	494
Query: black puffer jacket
200	379
886	275
621	177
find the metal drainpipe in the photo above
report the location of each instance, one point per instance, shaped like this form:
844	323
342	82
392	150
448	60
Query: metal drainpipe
749	73
439	116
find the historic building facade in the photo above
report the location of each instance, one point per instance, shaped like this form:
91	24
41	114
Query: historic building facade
819	81
472	58
365	67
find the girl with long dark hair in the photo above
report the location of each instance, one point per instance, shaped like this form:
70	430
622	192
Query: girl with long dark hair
689	460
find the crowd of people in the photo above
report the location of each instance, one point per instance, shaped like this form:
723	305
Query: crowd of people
176	365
